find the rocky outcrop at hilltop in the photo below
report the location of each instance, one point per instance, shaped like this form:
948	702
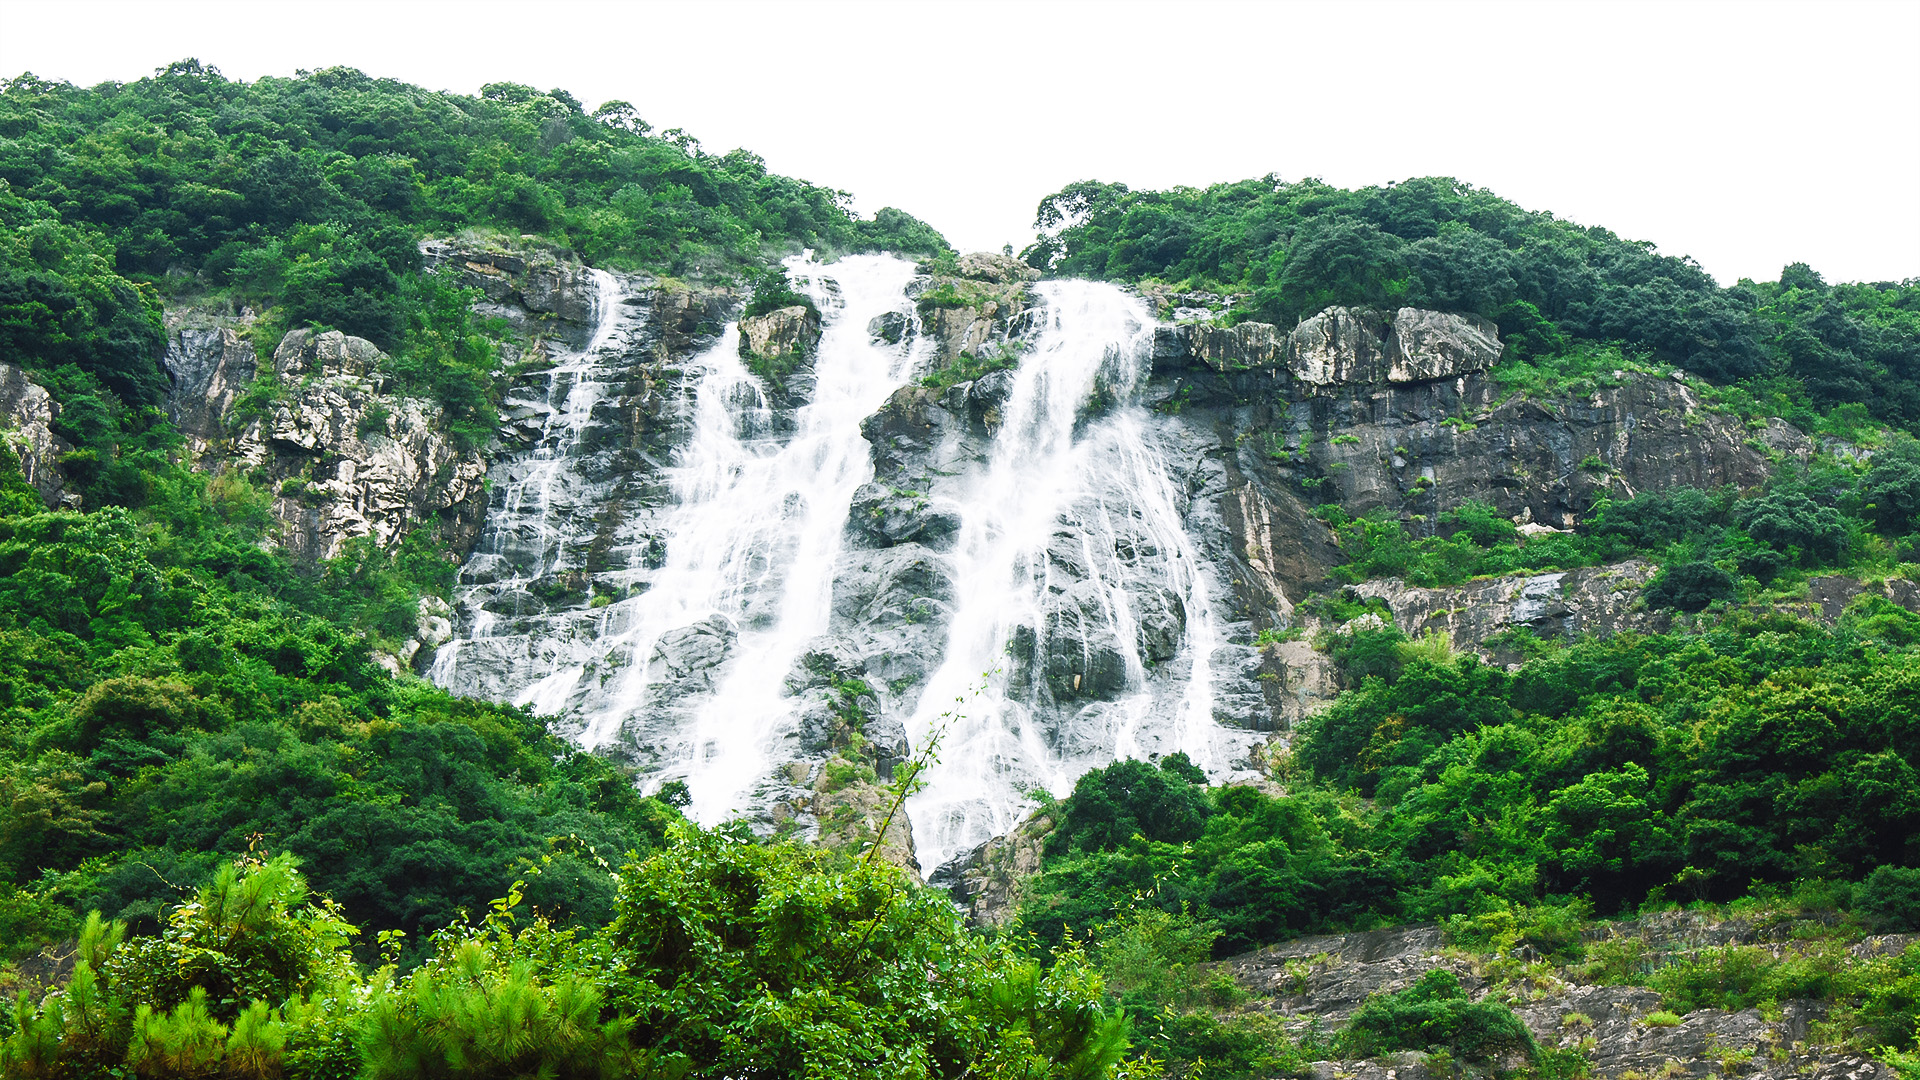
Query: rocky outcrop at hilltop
1338	346
986	301
540	292
343	455
27	414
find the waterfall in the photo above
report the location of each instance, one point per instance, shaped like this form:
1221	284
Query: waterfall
1072	548
758	530
662	612
539	504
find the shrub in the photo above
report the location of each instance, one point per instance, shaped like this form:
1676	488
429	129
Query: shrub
1110	805
1739	977
1690	587
1656	519
1890	898
1434	1014
1790	520
1891	487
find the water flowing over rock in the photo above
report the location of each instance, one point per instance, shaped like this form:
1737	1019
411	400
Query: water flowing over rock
1083	620
211	366
776	577
777	593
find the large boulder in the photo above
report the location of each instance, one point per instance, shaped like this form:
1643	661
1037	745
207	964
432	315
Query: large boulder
211	366
1247	346
1427	345
540	291
1339	345
996	267
788	331
344	458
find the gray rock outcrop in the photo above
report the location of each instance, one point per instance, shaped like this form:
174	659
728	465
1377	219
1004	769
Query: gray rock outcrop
1321	980
27	414
1337	347
986	302
1564	605
782	332
541	292
1430	345
211	365
344	459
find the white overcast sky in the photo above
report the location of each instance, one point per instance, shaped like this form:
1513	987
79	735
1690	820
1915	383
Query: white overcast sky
1747	135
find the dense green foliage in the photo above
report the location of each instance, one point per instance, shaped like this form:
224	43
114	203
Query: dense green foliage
1555	289
1675	766
306	197
723	958
1435	1014
190	169
170	694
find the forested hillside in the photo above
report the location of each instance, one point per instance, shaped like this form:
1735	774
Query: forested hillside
1557	290
238	838
174	693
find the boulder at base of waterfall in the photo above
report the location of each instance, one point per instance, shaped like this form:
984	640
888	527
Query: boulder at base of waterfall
1427	345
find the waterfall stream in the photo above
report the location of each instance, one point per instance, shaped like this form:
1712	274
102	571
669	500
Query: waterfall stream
1062	492
758	530
662	613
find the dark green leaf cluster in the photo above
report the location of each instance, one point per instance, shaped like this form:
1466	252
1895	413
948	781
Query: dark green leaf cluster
1435	1014
170	694
1685	766
1716	545
190	169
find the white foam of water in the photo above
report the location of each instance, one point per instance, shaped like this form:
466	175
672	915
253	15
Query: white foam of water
1102	490
758	528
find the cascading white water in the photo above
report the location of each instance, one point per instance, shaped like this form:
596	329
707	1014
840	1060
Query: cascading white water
756	532
1066	515
523	540
659	611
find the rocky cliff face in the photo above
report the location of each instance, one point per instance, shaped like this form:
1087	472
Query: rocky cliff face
985	302
1323	980
27	414
347	461
542	293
